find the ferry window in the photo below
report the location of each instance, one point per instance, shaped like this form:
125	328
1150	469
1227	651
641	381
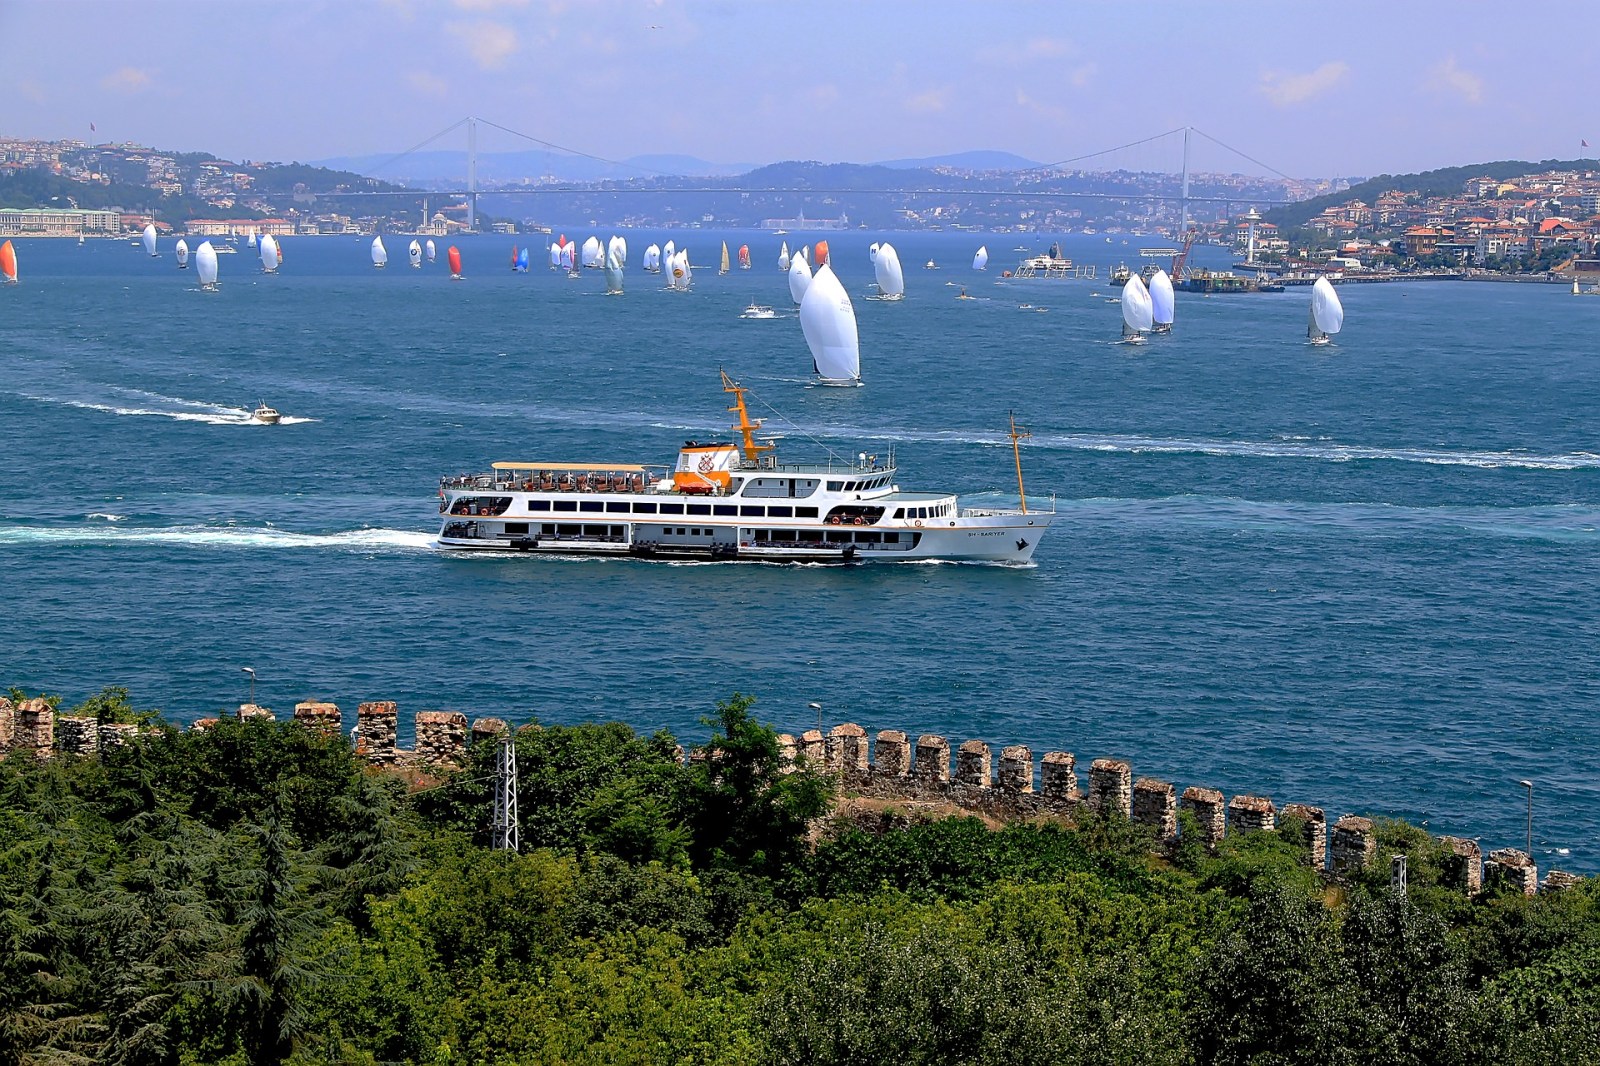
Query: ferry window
699	508
805	512
750	512
899	512
811	534
591	505
891	538
727	509
516	529
644	508
838	536
835	486
617	531
617	508
595	531
538	505
781	512
868	537
548	529
672	508
566	505
566	530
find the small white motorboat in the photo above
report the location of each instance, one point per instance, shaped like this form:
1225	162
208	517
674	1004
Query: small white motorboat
758	311
267	416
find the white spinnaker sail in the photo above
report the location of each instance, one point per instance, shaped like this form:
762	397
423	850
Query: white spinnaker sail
783	256
1162	301
829	322
252	240
614	254
680	274
269	253
555	255
621	245
183	254
1326	310
414	253
591	252
205	263
886	265
380	255
149	239
872	251
430	249
1136	306
652	258
799	276
981	259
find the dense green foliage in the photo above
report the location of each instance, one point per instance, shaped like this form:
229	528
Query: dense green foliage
254	894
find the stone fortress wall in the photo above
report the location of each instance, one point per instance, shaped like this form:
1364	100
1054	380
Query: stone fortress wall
890	766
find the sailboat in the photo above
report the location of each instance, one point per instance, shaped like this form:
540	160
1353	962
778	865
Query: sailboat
819	255
380	255
591	253
980	261
522	261
783	256
149	238
205	265
182	251
513	257
829	323
652	259
252	241
431	250
1162	301
269	254
727	264
555	256
8	263
454	258
744	257
621	245
872	251
414	253
615	251
799	276
1327	313
891	279
680	275
1137	319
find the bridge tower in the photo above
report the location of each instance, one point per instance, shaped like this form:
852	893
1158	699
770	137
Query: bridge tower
472	174
1183	216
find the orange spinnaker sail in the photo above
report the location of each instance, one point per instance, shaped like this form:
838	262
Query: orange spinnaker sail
744	255
455	259
8	261
821	252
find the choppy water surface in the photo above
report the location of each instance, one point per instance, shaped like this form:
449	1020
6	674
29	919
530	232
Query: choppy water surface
1363	576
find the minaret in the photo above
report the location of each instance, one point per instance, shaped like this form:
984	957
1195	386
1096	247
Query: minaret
1250	248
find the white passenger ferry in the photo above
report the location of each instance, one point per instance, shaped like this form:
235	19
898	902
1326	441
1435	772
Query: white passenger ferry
724	501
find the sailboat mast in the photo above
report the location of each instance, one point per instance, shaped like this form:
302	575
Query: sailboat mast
1017	436
746	428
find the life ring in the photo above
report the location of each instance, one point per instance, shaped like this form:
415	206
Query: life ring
834	520
860	520
918	523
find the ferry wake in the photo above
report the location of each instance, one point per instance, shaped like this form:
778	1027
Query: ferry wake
725	501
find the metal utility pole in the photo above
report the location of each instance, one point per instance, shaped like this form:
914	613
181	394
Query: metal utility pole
504	830
1529	786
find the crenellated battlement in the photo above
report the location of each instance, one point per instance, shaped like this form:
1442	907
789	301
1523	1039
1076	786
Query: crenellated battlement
888	765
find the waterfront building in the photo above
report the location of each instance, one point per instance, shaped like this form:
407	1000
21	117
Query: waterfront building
56	222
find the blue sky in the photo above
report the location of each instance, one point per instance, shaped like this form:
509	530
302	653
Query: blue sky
1312	90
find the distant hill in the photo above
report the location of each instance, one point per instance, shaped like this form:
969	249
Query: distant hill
965	161
1443	182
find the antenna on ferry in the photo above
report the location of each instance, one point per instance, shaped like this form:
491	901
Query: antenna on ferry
747	428
1017	436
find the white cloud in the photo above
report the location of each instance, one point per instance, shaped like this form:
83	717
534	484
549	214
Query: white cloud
823	95
488	5
489	43
929	102
1447	77
127	80
1285	89
1028	103
1026	51
428	84
1081	76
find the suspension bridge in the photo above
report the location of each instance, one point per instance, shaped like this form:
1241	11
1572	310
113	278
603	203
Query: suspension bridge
1120	154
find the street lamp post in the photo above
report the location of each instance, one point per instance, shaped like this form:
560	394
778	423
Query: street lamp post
1529	786
818	708
252	673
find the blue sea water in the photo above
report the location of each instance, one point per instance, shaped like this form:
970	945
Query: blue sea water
1362	576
